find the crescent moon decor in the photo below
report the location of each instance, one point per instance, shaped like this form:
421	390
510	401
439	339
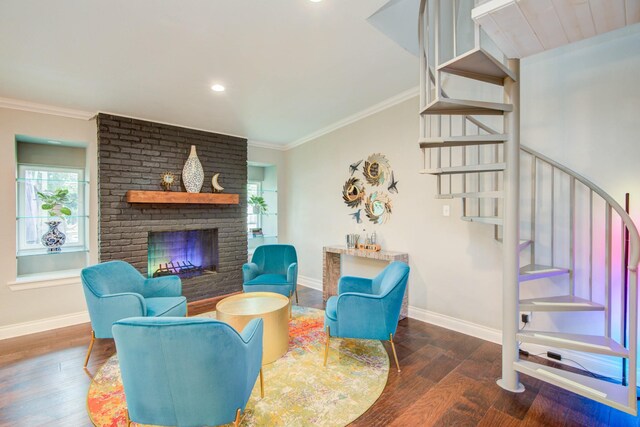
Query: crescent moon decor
353	192
217	188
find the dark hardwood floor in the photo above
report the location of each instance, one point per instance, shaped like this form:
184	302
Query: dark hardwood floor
447	379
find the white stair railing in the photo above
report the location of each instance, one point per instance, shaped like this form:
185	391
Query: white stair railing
468	158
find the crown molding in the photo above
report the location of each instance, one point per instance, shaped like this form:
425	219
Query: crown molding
267	145
376	108
16	104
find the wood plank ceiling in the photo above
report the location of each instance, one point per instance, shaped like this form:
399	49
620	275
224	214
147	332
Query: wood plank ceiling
525	27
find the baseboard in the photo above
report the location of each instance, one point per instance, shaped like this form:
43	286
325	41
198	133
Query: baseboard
41	325
310	282
458	325
600	365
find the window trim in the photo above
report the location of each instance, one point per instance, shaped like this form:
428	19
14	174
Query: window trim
258	223
83	236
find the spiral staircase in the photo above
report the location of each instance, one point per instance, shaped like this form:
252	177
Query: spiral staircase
558	230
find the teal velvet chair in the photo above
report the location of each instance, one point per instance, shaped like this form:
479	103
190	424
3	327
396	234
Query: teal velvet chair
115	290
273	268
187	372
367	308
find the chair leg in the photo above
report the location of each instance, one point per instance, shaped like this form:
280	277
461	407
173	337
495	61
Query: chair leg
93	340
326	346
296	296
393	348
236	422
261	385
127	418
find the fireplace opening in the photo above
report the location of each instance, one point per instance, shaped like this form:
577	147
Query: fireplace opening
187	253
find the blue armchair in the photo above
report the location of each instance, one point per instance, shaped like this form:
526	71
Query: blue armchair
367	308
273	268
115	290
187	372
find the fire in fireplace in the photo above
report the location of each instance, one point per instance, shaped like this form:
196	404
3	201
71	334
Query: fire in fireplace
187	253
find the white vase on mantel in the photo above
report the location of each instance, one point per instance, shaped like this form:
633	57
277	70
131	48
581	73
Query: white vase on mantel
192	173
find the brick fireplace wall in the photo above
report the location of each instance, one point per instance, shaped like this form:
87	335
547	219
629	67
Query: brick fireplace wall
132	154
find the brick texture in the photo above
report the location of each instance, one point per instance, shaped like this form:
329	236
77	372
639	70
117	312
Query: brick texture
132	155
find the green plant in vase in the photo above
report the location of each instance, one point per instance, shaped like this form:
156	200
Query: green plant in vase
55	203
258	204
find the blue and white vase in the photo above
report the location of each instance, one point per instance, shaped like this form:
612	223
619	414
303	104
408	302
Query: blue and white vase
192	173
54	238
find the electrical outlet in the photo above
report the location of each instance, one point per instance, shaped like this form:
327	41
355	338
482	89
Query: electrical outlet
446	210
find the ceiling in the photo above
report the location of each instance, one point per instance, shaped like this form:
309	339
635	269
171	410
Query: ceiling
290	67
522	28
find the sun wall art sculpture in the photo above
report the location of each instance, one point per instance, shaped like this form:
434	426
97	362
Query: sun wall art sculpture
374	192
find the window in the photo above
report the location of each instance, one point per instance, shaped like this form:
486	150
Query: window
45	165
254	220
32	219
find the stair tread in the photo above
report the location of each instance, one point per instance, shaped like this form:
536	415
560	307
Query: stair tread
479	65
523	244
538	271
465	107
472	195
587	343
485	167
611	394
559	303
533	268
462	140
483	219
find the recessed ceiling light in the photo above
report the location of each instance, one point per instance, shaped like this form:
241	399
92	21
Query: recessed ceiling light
217	88
315	1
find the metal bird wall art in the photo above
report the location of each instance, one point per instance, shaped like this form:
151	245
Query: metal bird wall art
393	185
356	216
353	167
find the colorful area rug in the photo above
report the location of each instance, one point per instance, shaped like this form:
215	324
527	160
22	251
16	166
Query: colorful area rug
299	391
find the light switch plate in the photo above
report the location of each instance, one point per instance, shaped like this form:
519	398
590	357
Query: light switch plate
446	210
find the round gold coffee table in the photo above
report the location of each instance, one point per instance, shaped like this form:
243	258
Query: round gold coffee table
238	310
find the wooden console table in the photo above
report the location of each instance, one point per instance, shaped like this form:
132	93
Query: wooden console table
331	270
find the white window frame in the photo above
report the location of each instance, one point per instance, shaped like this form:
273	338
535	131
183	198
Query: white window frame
258	222
22	245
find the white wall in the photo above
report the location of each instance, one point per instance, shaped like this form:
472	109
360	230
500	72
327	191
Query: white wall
455	266
580	106
65	303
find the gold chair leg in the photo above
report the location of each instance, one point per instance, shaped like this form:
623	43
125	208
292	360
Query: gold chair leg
93	339
261	385
127	418
326	347
393	348
236	422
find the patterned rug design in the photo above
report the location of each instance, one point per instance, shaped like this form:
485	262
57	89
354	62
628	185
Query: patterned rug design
299	391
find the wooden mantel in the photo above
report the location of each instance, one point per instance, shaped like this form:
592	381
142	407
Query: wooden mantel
176	197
